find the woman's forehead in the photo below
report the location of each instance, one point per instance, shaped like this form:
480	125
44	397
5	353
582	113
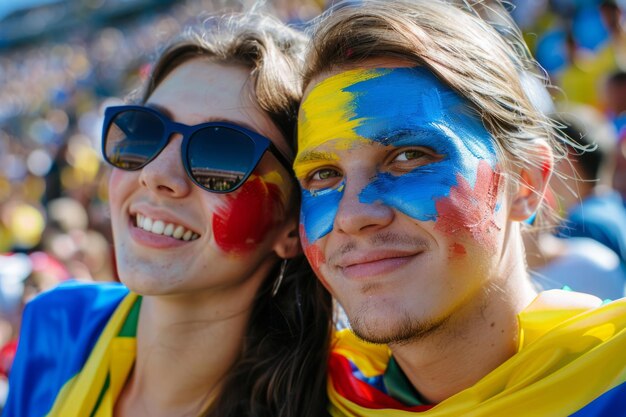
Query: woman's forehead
201	90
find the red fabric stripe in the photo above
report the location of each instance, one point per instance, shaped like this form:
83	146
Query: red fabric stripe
359	392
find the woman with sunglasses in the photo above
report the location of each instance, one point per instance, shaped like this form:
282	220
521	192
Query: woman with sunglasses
211	320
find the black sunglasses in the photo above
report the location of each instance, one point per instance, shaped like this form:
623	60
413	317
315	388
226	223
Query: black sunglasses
218	157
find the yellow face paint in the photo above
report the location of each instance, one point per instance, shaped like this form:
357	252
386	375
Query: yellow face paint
273	177
327	114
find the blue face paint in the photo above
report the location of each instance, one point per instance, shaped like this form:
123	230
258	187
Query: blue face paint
406	107
318	211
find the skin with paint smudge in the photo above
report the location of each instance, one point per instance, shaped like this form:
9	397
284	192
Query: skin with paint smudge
238	232
402	206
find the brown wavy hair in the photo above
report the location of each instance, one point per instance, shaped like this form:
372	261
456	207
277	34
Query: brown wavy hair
281	371
473	46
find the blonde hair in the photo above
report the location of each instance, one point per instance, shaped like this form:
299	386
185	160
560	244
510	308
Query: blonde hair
472	46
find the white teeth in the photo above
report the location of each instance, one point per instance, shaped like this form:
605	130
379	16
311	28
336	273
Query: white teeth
179	232
159	227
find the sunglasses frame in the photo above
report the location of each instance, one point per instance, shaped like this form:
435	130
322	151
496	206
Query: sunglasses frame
260	142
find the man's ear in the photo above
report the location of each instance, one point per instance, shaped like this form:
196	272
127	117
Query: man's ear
288	241
533	183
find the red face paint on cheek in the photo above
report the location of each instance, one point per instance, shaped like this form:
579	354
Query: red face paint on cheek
314	255
471	211
243	222
457	249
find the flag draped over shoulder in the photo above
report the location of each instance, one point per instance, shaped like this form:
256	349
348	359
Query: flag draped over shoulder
63	357
571	362
93	390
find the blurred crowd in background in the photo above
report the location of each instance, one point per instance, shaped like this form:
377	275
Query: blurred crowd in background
63	61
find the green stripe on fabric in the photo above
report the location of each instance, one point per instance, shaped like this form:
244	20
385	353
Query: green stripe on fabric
105	388
398	385
129	328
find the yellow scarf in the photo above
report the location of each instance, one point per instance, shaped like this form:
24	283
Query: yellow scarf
570	353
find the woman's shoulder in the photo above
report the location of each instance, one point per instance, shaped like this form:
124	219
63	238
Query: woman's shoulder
72	313
67	320
78	297
58	332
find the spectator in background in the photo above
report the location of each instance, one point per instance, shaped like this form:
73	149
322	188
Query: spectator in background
582	264
615	106
578	263
586	70
612	17
615	101
21	278
67	236
619	175
589	206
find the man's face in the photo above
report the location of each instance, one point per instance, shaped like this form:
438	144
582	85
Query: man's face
401	215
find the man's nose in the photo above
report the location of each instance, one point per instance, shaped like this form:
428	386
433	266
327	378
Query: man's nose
354	216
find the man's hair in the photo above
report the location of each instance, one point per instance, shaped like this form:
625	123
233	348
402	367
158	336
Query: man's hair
280	370
472	46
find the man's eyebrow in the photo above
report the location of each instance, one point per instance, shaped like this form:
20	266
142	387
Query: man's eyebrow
398	137
312	156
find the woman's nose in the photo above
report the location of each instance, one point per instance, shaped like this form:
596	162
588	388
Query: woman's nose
166	174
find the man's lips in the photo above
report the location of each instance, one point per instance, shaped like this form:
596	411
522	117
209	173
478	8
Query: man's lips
364	265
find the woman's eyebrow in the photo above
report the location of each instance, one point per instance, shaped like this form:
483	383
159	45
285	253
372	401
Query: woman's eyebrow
208	119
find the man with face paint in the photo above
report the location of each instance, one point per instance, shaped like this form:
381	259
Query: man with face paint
421	158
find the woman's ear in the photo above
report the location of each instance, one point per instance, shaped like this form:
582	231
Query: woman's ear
533	183
288	242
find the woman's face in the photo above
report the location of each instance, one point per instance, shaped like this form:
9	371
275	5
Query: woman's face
228	239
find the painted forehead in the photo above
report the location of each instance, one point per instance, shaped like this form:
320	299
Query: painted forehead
402	107
381	105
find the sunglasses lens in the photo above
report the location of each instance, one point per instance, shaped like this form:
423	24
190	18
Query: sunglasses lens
132	138
220	158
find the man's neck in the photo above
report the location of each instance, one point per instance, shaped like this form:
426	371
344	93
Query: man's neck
473	342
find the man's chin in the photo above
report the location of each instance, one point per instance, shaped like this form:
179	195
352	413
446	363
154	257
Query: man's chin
401	332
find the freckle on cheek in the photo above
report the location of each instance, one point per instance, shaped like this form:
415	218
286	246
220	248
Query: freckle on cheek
457	249
246	218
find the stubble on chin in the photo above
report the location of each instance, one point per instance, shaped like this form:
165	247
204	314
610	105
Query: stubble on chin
401	331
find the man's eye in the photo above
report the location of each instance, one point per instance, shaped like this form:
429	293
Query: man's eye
324	174
409	155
